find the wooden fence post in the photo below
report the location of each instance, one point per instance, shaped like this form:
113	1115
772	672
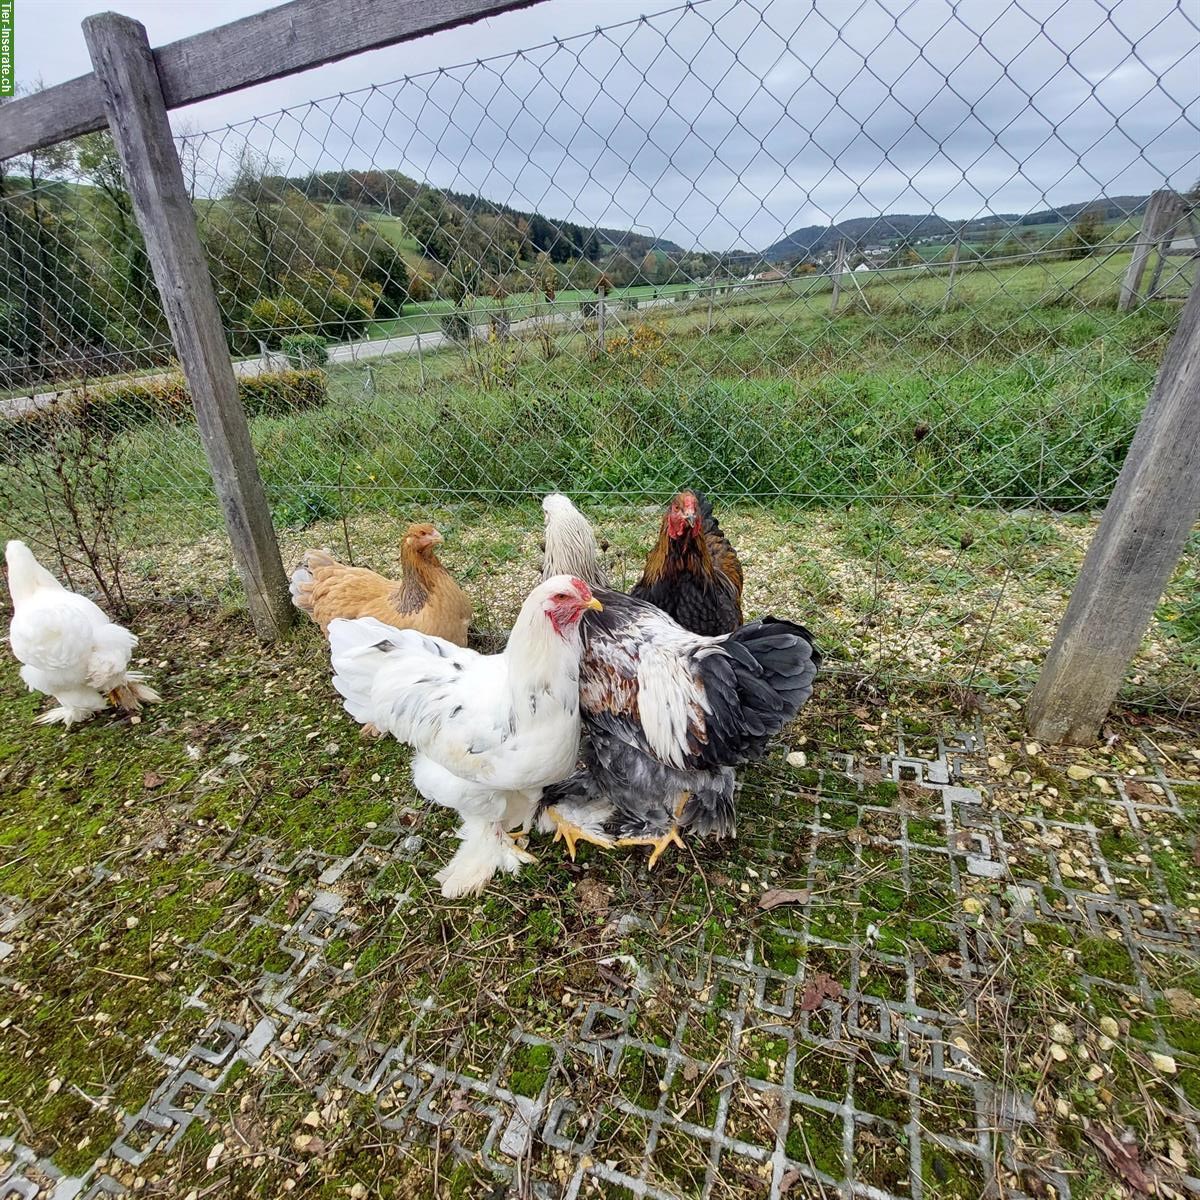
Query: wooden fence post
1170	219
837	278
1159	210
137	116
953	271
1145	526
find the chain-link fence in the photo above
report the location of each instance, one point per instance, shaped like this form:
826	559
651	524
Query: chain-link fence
854	274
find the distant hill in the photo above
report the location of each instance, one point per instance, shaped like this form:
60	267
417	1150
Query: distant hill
818	239
637	243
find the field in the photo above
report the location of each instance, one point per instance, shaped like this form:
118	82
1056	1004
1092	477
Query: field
225	968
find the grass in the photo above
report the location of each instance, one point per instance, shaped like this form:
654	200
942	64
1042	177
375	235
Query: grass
133	850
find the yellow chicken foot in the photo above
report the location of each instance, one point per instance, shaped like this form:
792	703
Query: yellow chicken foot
570	834
670	838
518	849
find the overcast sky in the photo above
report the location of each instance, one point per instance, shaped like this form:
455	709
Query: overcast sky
729	124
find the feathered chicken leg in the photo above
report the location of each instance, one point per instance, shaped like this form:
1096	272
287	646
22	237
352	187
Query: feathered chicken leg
660	844
571	834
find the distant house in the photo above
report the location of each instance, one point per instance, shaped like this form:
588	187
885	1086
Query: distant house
863	267
768	276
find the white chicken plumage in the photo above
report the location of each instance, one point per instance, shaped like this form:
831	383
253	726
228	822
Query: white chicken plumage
68	647
489	731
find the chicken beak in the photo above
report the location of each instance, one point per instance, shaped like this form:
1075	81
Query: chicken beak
594	604
433	539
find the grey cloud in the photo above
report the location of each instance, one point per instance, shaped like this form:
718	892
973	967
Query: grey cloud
739	120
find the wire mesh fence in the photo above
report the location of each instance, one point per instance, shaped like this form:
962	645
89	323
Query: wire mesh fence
665	253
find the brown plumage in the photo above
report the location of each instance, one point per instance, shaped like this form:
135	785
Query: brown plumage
693	572
425	599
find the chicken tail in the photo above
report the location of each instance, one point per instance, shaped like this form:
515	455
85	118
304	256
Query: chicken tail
302	579
358	648
774	663
132	694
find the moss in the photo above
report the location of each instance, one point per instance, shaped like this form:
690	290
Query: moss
778	951
951	1176
638	1077
763	1055
814	1138
529	1068
1106	958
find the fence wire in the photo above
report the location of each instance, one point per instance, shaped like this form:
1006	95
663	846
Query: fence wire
665	253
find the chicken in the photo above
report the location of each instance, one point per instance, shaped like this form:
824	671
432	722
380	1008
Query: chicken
68	647
426	599
570	543
693	572
667	715
489	731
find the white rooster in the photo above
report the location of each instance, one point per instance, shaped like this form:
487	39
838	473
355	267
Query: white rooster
67	646
489	731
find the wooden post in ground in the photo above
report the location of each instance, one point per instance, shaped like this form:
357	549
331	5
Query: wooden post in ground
837	278
711	289
1160	209
1170	219
421	362
953	271
1143	532
137	116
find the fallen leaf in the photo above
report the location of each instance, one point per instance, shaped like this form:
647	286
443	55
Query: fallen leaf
789	1179
817	990
1122	1158
690	1071
1181	1003
151	779
858	836
774	897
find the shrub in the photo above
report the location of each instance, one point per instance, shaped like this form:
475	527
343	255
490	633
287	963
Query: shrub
420	288
114	407
281	392
457	326
306	350
274	317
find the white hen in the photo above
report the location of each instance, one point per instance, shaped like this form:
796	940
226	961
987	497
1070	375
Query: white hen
67	646
489	731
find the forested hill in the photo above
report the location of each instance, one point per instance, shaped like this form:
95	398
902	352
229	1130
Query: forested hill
816	239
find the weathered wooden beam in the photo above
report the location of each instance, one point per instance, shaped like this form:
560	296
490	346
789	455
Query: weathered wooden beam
1159	210
1145	526
267	45
137	116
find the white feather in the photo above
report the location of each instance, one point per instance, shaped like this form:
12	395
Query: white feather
489	731
67	646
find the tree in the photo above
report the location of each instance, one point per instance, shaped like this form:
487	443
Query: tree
98	164
1082	238
389	272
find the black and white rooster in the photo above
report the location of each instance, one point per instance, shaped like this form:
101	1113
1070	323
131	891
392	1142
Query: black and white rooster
667	716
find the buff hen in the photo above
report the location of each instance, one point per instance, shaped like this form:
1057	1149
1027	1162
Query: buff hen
425	599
